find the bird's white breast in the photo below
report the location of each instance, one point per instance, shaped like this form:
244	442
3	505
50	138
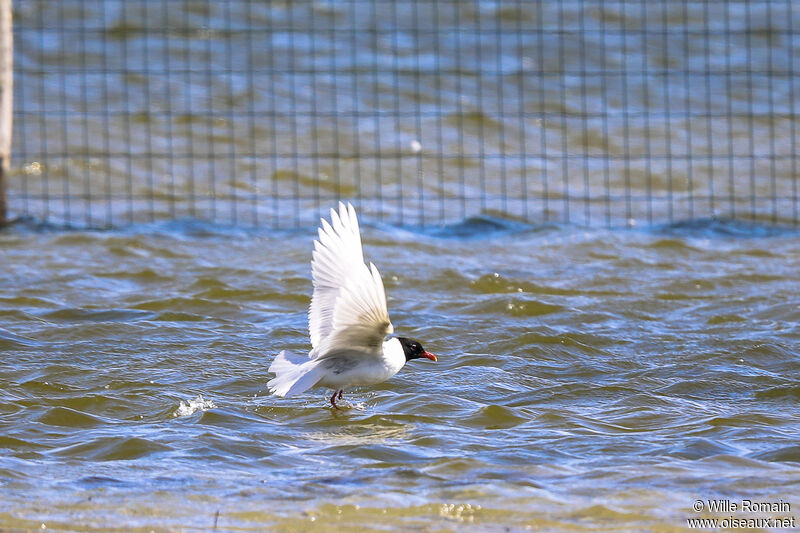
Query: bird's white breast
394	356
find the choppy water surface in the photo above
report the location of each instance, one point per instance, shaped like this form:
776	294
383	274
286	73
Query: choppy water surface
588	379
423	112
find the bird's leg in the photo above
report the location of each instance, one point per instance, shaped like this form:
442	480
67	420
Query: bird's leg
333	399
340	393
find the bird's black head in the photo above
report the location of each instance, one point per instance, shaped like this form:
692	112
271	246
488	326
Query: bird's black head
414	349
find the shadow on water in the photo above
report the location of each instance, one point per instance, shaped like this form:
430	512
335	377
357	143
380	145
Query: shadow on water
476	227
725	228
482	226
485	226
499	224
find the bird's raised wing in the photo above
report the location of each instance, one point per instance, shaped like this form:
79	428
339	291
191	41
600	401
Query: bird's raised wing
348	307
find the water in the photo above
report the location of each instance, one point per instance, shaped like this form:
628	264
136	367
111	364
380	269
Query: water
587	379
425	112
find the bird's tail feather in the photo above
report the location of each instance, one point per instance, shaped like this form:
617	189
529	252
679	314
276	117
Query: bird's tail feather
293	374
286	361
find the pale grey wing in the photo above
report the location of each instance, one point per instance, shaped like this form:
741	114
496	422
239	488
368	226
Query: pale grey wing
360	318
348	297
337	252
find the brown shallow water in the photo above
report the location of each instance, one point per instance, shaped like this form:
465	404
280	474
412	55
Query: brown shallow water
259	113
587	380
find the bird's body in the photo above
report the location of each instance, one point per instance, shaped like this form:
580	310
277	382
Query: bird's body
347	321
348	369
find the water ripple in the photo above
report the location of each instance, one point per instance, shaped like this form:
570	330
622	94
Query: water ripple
572	363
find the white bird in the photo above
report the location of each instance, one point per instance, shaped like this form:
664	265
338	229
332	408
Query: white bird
347	321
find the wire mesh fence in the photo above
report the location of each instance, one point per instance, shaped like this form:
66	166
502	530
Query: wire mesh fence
419	111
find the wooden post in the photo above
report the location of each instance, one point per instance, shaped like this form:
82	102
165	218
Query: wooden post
6	101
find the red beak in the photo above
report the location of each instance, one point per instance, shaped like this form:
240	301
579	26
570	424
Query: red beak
429	355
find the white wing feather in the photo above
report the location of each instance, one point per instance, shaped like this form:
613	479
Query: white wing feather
348	308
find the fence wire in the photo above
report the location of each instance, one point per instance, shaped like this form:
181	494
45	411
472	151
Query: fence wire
420	111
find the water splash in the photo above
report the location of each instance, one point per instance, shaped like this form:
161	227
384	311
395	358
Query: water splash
192	406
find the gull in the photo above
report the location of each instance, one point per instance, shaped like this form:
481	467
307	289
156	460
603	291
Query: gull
348	321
